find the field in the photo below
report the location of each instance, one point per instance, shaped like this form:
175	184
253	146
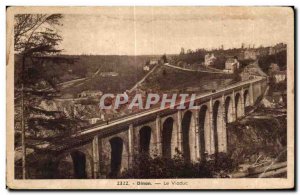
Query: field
167	79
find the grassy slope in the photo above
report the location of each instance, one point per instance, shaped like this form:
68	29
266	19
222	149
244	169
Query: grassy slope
169	79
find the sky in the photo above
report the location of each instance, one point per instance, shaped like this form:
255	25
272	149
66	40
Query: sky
159	30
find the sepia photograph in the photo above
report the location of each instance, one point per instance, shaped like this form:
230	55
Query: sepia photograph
156	97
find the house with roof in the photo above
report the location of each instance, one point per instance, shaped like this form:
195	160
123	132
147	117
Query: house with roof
209	59
279	76
231	65
146	68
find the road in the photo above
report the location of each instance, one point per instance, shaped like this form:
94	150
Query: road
191	70
143	79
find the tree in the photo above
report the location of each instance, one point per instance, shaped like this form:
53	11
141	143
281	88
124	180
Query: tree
278	58
164	58
35	37
36	33
146	167
182	52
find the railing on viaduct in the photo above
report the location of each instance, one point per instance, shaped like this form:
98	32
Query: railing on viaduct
108	149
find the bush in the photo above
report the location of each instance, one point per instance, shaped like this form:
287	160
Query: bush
146	167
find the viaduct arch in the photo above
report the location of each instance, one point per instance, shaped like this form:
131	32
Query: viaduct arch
144	139
116	144
229	110
167	137
204	131
246	98
238	105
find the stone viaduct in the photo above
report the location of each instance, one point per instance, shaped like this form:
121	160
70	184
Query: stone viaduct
106	150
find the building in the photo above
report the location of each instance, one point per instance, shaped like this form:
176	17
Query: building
95	120
209	59
279	76
250	54
231	65
277	48
252	71
153	62
146	68
109	74
90	93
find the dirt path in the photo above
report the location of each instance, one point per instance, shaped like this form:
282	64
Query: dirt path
143	79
